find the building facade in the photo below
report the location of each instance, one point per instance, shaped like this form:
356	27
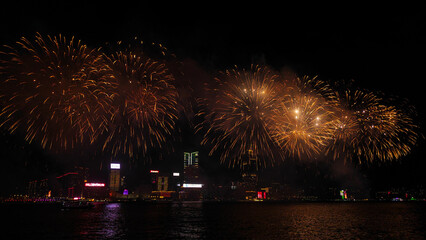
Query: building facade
114	177
191	188
190	167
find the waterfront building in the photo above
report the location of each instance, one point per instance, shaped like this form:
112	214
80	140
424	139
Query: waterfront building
191	188
96	190
190	167
163	183
114	177
160	186
38	188
154	179
249	175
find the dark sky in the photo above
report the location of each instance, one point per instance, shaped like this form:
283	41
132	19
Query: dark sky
371	45
382	49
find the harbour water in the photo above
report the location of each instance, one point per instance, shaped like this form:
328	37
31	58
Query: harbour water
198	220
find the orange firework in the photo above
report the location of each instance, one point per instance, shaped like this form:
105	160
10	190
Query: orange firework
144	103
61	94
54	91
367	129
239	115
302	121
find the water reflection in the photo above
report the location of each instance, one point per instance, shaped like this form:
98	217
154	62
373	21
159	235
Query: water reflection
189	221
113	221
105	221
197	220
315	221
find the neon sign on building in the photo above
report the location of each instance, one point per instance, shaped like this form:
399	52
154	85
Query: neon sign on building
94	184
115	166
192	185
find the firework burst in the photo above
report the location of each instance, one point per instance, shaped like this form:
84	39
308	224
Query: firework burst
54	91
144	103
367	129
240	114
302	121
60	93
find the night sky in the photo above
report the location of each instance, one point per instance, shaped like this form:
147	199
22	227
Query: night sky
381	49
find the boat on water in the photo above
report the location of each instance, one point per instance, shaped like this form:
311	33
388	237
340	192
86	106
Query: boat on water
77	205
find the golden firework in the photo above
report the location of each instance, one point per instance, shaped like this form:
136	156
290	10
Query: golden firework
54	90
239	115
144	108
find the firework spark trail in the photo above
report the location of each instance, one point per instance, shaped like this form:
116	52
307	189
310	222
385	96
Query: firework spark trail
367	129
346	122
54	91
302	121
239	116
386	134
304	117
145	103
60	93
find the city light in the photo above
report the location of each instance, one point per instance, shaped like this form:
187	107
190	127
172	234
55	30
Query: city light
192	185
94	184
343	194
176	174
115	166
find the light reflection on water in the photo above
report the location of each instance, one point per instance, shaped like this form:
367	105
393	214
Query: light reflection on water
190	221
198	220
112	221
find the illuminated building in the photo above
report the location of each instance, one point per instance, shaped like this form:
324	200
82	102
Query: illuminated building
190	159
162	183
175	182
96	190
250	167
343	194
114	177
247	187
191	187
249	172
70	186
154	179
190	167
160	186
38	188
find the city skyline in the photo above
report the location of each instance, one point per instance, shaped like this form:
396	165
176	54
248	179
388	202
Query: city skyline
362	49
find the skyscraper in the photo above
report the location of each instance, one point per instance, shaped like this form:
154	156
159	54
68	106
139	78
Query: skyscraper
114	177
250	166
190	159
192	186
190	167
154	179
163	183
249	174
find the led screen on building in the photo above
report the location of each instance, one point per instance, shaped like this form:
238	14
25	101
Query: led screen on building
115	166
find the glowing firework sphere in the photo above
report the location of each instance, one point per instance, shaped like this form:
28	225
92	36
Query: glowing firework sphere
53	90
302	126
302	120
367	129
145	103
304	117
240	110
60	93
